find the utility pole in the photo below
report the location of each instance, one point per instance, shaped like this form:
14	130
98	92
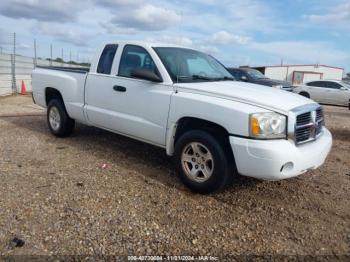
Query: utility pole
13	66
62	56
50	54
35	57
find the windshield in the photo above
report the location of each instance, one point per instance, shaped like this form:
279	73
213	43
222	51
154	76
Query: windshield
186	65
255	74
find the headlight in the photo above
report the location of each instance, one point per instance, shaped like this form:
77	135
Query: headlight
278	86
268	125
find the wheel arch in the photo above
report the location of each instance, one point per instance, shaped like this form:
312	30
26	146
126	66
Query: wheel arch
188	123
52	93
304	93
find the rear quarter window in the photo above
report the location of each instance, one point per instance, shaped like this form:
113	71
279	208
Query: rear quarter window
333	85
106	59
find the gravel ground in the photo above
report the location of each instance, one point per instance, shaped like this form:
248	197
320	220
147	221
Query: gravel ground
57	198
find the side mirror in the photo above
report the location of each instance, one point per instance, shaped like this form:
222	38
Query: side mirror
343	88
145	74
244	78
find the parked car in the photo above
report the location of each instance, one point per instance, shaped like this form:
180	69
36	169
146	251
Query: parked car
331	92
186	102
252	75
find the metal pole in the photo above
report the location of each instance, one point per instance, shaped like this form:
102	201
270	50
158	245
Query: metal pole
62	56
50	54
35	57
14	85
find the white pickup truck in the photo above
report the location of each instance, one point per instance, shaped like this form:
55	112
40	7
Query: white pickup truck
186	102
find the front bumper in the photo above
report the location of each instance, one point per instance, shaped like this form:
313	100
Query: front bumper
279	159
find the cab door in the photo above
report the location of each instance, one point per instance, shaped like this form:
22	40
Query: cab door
317	91
127	105
336	95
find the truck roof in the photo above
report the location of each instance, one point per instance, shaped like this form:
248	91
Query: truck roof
147	44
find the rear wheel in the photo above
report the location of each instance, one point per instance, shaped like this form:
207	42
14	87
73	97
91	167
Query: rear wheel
202	162
305	94
60	124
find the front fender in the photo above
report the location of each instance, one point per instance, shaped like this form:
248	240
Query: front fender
233	116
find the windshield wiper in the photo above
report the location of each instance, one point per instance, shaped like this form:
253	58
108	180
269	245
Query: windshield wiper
202	77
196	77
225	78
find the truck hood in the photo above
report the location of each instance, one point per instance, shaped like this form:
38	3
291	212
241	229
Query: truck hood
257	95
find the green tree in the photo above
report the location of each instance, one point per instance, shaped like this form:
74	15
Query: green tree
59	60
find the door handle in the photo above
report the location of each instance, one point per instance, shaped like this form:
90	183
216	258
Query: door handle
119	88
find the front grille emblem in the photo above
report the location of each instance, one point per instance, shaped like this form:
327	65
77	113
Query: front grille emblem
313	117
308	125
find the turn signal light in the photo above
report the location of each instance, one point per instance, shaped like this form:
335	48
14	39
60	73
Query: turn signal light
255	127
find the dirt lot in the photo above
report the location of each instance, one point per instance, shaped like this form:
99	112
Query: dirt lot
55	196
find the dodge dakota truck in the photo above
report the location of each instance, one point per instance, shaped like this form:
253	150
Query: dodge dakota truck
186	102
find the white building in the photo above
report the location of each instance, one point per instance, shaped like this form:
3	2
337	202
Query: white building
298	74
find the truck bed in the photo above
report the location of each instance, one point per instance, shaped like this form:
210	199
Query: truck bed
70	81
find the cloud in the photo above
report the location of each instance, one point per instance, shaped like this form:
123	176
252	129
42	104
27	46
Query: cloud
224	38
339	14
42	10
185	42
311	51
252	29
251	15
240	16
64	34
6	38
116	3
147	18
209	49
177	40
116	30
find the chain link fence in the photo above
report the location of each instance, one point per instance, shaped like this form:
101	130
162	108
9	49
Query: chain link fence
16	69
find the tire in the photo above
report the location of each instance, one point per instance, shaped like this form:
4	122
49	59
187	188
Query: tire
305	94
208	175
60	124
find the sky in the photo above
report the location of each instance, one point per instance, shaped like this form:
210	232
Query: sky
237	32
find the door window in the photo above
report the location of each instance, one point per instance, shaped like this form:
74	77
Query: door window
106	59
135	57
316	84
333	85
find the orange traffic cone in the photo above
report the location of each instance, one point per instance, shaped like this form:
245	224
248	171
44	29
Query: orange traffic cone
23	88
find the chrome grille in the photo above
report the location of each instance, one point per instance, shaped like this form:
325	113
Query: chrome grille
308	126
303	119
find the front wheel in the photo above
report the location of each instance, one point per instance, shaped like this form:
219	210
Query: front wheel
60	124
202	163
